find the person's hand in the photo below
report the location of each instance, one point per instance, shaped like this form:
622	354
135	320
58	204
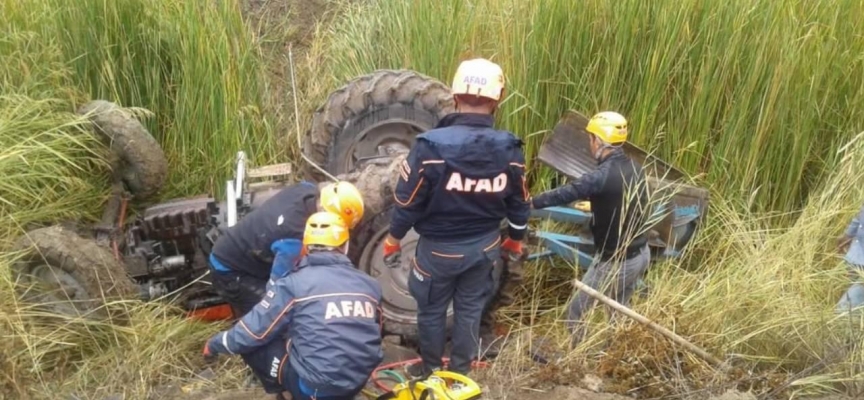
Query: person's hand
511	249
209	356
843	243
392	252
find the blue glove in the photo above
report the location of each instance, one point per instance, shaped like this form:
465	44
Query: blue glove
287	253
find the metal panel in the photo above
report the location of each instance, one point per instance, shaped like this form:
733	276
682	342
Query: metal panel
567	150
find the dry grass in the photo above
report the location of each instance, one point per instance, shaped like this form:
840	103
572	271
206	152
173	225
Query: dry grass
767	110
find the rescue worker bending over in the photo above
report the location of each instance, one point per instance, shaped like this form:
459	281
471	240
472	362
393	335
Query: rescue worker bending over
617	187
242	256
457	184
317	332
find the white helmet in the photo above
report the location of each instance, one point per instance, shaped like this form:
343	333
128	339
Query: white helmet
479	77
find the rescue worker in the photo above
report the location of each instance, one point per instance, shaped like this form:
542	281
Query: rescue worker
616	188
317	332
852	242
242	259
458	182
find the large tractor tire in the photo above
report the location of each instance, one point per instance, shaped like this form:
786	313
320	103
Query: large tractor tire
140	162
68	275
374	115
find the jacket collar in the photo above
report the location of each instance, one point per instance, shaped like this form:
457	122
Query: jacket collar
470	119
616	152
328	258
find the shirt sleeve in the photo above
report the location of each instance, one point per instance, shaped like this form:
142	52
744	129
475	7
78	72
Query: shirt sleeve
518	201
412	191
261	325
580	189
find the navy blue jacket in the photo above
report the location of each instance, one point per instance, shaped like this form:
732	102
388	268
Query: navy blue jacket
274	227
460	180
328	313
617	187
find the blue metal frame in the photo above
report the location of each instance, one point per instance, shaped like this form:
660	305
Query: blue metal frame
566	246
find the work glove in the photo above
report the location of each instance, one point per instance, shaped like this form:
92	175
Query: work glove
511	250
209	356
392	252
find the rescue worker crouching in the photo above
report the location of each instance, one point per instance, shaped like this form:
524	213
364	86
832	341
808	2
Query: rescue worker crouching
617	187
458	182
317	332
242	259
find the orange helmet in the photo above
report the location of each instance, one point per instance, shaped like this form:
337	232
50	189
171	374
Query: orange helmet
343	199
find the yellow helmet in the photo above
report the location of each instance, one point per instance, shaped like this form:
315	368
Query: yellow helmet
608	126
479	77
325	229
343	199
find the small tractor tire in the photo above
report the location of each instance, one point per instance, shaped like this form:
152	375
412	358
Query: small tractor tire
140	162
374	115
68	275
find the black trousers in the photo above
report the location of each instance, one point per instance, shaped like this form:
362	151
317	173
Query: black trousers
241	291
461	272
271	365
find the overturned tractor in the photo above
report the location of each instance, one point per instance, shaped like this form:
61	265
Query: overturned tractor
360	134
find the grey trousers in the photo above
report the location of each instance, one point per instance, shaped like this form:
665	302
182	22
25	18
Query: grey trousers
615	279
461	272
854	296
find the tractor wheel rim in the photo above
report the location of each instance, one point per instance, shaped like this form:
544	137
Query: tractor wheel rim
385	138
59	288
398	304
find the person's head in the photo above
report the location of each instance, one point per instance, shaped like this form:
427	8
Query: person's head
608	130
343	199
478	86
325	231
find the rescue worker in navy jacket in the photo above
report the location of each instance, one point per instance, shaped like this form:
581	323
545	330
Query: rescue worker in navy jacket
242	259
458	182
616	188
317	332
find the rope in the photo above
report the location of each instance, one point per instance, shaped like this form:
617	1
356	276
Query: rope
297	119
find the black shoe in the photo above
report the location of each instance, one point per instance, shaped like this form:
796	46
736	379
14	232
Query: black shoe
419	371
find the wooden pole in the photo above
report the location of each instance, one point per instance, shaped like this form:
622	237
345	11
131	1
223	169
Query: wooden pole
645	321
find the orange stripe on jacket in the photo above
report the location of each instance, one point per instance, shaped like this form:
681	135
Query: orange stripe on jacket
413	195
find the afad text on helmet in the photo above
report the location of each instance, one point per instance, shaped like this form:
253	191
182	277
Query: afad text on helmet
474	80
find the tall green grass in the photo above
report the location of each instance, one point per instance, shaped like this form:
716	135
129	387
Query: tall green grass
753	98
47	162
754	94
195	65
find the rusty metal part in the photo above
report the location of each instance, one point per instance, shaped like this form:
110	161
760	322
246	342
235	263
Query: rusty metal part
176	219
124	202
